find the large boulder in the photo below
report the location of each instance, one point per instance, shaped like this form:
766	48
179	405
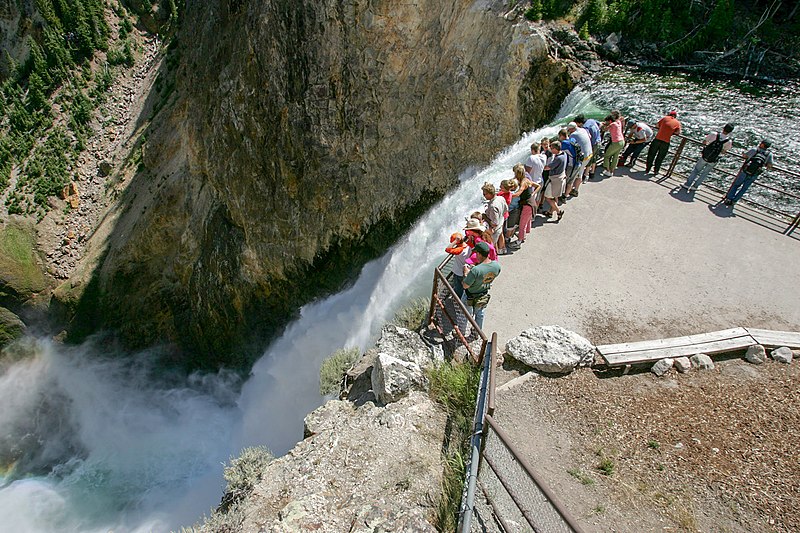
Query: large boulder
550	349
756	354
393	378
406	345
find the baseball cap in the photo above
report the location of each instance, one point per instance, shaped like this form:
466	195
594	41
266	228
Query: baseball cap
482	248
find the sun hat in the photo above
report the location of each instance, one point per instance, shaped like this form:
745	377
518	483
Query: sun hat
482	248
474	224
673	113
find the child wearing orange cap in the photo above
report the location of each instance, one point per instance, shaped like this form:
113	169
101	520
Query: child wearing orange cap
460	251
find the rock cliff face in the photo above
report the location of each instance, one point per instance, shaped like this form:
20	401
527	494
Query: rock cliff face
305	136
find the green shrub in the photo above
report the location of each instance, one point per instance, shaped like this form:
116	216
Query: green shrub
584	32
243	473
448	505
334	367
414	315
532	13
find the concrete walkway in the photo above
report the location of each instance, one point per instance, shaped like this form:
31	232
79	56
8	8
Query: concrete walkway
633	259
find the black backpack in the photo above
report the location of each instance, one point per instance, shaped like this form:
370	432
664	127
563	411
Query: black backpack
579	155
712	150
753	165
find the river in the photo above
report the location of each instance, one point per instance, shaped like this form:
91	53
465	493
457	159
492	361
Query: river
139	451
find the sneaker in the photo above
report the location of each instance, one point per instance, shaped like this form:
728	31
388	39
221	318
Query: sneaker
692	189
574	193
606	173
685	187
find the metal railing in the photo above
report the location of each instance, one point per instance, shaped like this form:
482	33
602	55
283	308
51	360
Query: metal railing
509	477
791	219
452	319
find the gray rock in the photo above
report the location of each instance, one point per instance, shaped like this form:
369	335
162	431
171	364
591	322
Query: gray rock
550	349
662	366
406	345
782	354
756	354
702	361
393	378
11	327
683	364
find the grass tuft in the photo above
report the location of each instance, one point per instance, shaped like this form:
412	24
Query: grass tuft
242	474
334	367
413	315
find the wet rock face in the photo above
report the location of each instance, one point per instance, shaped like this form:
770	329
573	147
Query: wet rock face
306	136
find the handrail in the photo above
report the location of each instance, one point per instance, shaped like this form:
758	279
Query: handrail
476	441
554	501
793	218
440	278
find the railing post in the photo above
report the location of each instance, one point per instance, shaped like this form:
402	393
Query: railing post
675	158
433	294
793	225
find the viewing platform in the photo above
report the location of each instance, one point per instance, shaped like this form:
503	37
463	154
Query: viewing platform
636	258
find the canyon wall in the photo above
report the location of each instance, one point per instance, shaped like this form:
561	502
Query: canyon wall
304	137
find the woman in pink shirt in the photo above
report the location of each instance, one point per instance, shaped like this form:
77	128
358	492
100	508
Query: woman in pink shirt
614	126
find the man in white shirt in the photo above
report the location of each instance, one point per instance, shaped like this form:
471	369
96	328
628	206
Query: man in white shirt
495	215
639	135
714	145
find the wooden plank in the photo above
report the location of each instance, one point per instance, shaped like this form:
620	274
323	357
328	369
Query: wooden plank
644	356
768	337
672	342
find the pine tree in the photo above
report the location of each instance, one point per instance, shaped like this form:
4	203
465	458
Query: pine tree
37	93
535	11
596	13
584	32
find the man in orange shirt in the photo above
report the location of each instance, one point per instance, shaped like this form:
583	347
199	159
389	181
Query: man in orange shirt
667	127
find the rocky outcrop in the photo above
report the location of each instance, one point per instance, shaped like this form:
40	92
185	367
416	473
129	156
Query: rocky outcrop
550	349
359	469
303	137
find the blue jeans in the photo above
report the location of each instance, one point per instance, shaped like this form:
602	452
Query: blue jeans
699	173
477	313
740	186
457	286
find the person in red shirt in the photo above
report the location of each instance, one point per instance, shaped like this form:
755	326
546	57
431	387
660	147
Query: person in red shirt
667	127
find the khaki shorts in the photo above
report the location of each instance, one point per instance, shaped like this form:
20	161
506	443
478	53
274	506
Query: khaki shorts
554	187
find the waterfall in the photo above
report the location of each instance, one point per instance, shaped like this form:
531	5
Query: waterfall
137	451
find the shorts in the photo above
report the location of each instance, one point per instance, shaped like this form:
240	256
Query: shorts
554	187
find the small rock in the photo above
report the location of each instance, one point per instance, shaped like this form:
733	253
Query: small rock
702	361
782	354
756	354
662	367
683	364
715	450
679	446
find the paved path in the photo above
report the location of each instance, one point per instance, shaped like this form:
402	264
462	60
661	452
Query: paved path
633	260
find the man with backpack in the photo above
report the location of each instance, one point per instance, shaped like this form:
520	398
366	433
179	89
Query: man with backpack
714	145
757	160
592	127
580	138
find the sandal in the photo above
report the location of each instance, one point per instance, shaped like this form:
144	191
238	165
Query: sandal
560	214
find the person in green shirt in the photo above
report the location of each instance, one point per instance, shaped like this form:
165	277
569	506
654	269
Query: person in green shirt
477	280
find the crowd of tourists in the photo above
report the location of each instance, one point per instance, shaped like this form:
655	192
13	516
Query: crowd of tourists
554	172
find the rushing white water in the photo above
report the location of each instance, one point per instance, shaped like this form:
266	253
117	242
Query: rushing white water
139	452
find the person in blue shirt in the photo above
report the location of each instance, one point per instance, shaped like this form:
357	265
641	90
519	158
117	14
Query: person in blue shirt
593	127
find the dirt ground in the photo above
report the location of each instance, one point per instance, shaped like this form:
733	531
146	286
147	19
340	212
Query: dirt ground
713	450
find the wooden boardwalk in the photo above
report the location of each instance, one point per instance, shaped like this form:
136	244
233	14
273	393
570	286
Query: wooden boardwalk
715	342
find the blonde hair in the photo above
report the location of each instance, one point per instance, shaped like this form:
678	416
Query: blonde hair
519	172
488	188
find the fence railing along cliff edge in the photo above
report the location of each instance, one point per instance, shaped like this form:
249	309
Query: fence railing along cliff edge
509	484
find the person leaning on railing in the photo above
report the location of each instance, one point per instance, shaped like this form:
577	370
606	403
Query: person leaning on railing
714	146
667	127
758	159
477	280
